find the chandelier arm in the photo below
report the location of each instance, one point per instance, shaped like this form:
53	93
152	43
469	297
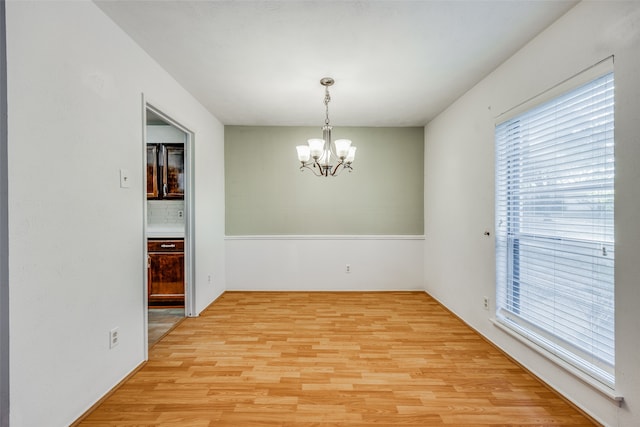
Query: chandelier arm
344	166
341	163
313	170
324	170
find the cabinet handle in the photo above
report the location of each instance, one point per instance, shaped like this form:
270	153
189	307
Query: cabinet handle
166	245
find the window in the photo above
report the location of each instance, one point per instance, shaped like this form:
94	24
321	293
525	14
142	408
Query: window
554	226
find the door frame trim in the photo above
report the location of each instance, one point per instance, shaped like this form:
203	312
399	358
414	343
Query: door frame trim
189	213
4	230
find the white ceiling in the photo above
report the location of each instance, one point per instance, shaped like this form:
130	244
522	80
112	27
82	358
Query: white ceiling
396	63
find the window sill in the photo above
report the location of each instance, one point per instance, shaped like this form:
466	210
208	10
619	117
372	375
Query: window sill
596	385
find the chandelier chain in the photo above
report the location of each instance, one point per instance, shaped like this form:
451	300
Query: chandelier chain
327	98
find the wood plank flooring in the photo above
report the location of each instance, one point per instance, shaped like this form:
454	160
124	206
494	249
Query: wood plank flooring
329	359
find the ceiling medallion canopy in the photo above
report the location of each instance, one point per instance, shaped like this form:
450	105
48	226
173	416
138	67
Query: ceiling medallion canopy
323	156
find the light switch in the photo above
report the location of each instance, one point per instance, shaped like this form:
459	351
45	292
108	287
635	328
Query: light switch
125	181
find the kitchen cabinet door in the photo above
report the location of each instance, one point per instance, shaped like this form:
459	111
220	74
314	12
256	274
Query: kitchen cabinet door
174	172
152	171
166	273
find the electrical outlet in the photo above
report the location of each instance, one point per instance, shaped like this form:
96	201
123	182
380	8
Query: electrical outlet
485	302
114	337
180	214
347	268
209	278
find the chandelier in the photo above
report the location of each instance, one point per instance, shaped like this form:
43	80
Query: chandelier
322	156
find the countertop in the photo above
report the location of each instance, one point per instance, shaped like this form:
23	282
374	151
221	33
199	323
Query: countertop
155	231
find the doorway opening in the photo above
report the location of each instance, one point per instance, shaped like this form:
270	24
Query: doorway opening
169	296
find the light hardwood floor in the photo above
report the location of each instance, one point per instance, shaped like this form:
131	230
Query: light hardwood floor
329	359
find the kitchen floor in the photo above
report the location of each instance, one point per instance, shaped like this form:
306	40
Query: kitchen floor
161	321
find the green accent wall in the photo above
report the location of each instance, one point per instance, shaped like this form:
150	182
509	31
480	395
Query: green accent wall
267	194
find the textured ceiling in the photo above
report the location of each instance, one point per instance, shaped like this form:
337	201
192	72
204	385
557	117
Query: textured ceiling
396	63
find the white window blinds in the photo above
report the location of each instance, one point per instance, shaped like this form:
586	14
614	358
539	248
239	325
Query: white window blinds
554	226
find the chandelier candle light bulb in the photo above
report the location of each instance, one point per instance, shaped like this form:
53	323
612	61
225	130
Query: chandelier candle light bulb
320	154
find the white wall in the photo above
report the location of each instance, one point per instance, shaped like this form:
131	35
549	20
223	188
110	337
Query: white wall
318	263
459	190
76	238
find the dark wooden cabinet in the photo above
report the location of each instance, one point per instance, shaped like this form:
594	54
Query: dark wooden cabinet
165	171
166	273
152	171
173	172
